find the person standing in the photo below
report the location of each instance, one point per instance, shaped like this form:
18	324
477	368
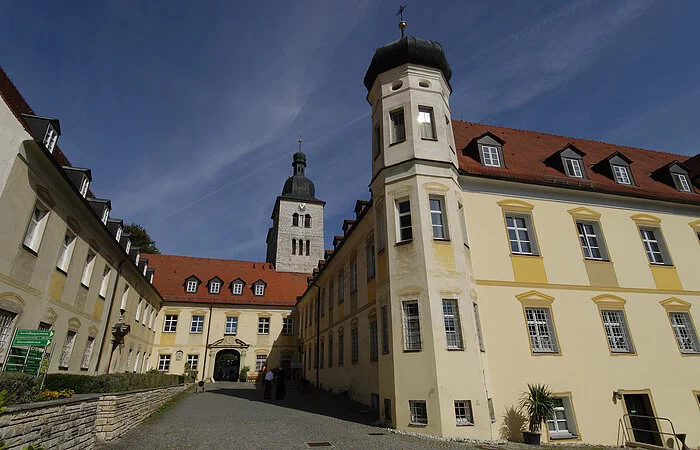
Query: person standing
269	376
281	390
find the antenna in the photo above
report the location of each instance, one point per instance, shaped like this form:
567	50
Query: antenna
402	23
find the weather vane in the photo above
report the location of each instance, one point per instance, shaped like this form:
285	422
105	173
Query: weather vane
299	141
402	23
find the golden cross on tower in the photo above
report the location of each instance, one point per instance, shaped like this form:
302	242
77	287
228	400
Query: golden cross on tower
402	23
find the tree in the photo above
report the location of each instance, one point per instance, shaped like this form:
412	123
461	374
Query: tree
141	239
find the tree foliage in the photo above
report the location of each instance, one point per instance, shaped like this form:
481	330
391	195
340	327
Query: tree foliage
141	239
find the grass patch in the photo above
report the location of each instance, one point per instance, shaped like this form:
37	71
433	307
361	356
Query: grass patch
158	413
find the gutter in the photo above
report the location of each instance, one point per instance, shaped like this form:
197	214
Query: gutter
318	330
206	345
109	318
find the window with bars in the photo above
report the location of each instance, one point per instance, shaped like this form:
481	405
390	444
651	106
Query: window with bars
231	325
592	244
411	325
490	156
192	286
35	229
341	349
164	363
541	330
193	361
426	123
170	323
437	217
520	234
197	324
288	325
330	351
263	325
617	331
87	353
68	344
419	412
65	252
385	329
106	274
87	269
398	127
654	246
463	412
373	342
685	332
354	345
260	361
369	256
622	175
405	228
453	332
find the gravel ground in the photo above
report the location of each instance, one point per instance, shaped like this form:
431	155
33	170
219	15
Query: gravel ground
234	415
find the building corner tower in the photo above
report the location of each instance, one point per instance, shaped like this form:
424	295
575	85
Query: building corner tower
295	240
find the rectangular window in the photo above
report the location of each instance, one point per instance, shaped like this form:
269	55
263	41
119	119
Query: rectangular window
192	286
561	424
170	323
35	229
453	331
591	243
405	231
197	324
331	294
354	345
353	274
463	412
214	287
145	315
341	286
288	325
426	122
479	334
87	353
573	167
617	331
66	251
381	232
373	343
323	302
237	288
377	141
153	318
294	246
84	185
322	351
398	128
681	182
263	325
87	269
231	325
385	330
685	332
193	361
411	326
260	361
437	217
138	310
519	235
125	297
419	412
622	175
541	329
164	363
341	349
491	156
463	223
259	289
369	256
68	344
654	246
50	139
105	281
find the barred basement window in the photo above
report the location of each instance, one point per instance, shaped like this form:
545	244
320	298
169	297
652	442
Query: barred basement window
263	325
419	412
453	332
373	344
685	332
541	329
170	323
411	325
68	344
463	412
616	331
197	324
164	363
561	424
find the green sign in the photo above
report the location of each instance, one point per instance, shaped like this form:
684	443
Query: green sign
24	360
43	334
32	338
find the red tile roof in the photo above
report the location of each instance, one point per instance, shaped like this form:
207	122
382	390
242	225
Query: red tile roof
524	153
282	288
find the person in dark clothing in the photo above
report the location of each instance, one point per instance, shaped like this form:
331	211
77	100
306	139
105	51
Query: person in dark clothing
268	384
281	390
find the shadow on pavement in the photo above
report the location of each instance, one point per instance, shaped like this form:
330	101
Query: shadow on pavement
311	400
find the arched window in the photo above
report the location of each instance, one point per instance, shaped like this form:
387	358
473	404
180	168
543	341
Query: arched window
307	221
295	220
301	247
307	247
294	246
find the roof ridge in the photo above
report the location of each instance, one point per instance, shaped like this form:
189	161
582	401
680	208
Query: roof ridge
212	259
521	130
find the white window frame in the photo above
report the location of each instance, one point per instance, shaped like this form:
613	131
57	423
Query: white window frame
136	363
87	269
128	246
125	298
398	126
138	309
144	317
263	325
197	324
105	216
118	236
404	233
622	175
655	246
231	325
36	227
438	215
65	253
163	363
106	275
684	331
573	167
453	327
84	186
562	424
617	331
170	323
237	288
288	325
515	240
214	287
191	286
67	351
683	182
193	361
419	412
591	240
89	345
412	339
152	319
464	415
540	325
50	138
259	290
426	123
490	156
260	362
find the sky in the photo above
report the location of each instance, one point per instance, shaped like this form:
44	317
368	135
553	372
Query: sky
188	113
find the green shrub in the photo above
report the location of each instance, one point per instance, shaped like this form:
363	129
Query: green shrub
243	375
113	382
20	387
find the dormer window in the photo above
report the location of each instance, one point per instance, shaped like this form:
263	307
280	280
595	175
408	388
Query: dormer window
490	156
259	288
119	234
84	185
489	149
50	138
138	258
191	286
128	245
105	215
145	269
573	167
681	182
622	175
237	287
214	287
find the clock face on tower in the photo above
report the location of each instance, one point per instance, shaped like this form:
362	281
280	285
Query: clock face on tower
302	206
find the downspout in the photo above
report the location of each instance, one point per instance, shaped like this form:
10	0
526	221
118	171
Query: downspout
318	330
206	346
109	317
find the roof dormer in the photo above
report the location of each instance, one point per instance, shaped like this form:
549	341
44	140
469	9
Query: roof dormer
676	175
149	275
191	284
568	160
135	254
116	227
259	288
488	150
215	285
101	207
617	168
80	178
44	130
237	286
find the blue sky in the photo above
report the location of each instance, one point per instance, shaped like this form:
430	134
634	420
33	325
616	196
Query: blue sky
188	113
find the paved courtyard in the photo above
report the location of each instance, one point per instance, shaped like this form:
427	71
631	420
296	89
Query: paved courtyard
234	415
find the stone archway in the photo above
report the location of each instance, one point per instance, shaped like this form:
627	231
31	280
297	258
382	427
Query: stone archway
227	365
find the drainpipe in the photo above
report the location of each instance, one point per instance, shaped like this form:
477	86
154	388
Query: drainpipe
206	346
107	322
318	330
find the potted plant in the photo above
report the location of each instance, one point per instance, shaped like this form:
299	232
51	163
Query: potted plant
243	376
538	405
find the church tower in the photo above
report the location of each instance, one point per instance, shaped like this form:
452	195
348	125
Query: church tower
295	241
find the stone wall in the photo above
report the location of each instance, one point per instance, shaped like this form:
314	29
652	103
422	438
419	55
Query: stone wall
82	421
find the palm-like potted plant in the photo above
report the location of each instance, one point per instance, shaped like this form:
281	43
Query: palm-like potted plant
538	405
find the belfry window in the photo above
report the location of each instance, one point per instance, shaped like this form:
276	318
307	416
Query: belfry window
307	221
295	220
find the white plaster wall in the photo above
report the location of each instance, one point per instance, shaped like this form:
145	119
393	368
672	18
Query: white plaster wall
285	261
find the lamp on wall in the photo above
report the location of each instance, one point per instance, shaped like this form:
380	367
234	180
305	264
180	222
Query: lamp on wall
616	395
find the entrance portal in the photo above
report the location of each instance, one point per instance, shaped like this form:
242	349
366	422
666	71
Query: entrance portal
227	365
641	418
